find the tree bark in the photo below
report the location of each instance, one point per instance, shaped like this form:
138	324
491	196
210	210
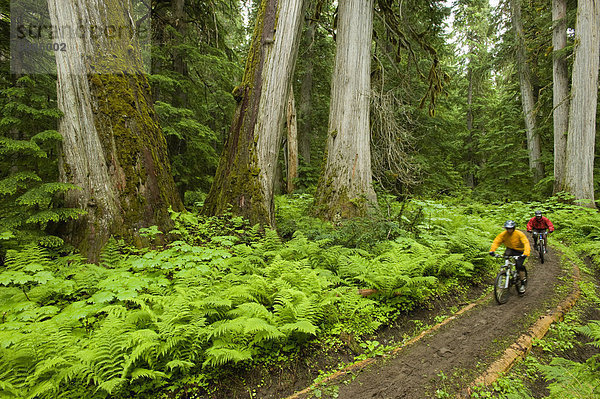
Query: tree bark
292	144
245	175
579	173
527	95
344	188
561	91
305	103
113	147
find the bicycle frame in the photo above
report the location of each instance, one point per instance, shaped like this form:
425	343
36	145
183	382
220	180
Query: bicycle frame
538	237
507	276
510	265
540	240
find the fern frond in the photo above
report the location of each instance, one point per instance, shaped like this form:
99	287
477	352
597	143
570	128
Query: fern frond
111	386
9	388
571	379
179	364
221	353
146	373
592	331
224	328
303	326
251	309
271	241
110	255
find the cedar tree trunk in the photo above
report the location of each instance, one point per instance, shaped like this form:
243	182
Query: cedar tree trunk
579	176
245	176
527	95
345	188
113	147
561	91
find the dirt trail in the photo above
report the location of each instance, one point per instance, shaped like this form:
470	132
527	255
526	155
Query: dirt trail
453	356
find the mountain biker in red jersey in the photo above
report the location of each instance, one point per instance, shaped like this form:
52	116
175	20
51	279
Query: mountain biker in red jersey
540	224
516	244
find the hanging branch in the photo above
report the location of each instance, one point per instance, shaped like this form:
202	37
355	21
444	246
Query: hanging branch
402	38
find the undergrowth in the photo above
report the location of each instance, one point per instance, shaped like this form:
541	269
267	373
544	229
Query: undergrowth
228	296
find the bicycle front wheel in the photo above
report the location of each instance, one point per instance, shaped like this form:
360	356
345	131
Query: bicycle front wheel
501	288
542	251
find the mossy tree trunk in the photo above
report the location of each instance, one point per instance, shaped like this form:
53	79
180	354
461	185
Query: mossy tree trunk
246	173
345	188
579	176
527	94
113	147
560	92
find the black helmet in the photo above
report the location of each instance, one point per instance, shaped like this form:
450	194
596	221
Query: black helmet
538	214
510	224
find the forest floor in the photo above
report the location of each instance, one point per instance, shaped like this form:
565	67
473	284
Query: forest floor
442	363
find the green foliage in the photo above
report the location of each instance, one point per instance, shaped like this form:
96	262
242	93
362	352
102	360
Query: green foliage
195	69
572	379
224	293
29	193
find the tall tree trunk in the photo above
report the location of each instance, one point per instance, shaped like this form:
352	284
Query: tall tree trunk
527	95
113	147
246	171
561	91
470	177
344	188
292	144
305	103
579	173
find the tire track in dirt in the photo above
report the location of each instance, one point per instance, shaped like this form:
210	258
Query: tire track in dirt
462	348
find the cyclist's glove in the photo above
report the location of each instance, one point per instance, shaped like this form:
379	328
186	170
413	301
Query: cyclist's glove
523	256
529	231
492	253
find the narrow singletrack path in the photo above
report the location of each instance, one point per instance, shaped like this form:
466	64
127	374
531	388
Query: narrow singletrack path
462	349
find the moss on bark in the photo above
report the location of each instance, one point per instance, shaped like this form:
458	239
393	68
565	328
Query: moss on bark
236	182
132	141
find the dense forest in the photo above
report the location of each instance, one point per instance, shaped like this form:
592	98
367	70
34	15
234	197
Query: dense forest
191	190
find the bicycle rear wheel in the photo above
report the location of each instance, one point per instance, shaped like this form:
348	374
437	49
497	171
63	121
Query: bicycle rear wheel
501	288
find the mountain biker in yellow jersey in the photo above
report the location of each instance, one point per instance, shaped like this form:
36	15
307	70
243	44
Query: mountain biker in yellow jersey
516	244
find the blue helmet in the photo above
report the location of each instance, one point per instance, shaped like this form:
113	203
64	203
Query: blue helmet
510	224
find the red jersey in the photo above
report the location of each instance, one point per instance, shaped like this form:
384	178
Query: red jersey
542	223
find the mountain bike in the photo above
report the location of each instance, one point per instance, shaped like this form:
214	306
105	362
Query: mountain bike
507	276
540	239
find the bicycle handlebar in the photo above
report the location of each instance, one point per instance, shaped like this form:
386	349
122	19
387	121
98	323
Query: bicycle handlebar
515	257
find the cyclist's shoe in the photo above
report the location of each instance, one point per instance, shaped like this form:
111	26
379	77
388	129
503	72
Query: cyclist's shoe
522	288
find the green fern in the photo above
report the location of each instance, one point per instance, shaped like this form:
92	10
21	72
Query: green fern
571	379
592	331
